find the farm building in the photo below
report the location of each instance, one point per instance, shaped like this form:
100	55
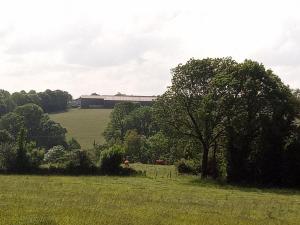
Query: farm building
109	101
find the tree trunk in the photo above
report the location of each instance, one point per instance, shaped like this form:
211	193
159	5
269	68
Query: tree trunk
204	173
214	162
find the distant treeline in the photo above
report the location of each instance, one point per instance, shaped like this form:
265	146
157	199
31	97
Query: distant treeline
30	142
49	101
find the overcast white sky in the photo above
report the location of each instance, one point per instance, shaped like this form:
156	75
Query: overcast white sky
130	46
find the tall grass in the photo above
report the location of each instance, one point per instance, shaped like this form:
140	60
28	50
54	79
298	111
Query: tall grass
149	199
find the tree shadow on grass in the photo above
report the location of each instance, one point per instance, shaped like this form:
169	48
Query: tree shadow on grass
258	189
54	171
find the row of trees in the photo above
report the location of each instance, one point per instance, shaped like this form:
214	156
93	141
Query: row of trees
22	156
31	142
26	133
134	127
49	101
39	127
230	120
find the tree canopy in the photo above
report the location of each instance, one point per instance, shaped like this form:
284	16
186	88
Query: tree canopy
239	109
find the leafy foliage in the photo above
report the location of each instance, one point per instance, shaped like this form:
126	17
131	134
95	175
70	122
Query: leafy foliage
78	161
7	156
116	129
6	103
22	158
12	122
111	159
6	137
73	144
50	101
188	166
157	147
240	110
40	129
55	154
50	133
53	101
192	105
133	145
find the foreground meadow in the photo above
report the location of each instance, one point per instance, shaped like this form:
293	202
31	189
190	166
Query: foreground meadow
160	196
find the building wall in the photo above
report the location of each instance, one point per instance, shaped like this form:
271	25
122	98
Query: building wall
112	103
91	103
101	103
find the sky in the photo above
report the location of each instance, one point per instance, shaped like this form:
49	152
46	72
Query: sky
130	46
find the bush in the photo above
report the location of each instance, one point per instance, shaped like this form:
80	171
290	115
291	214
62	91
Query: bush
55	154
22	156
7	156
188	166
133	145
157	147
78	161
20	159
95	152
73	144
36	157
5	136
111	159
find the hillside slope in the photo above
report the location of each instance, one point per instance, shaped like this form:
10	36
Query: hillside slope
86	125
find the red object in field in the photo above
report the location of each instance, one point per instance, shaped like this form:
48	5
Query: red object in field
126	163
160	162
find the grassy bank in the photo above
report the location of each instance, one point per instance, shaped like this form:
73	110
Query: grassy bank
155	198
86	125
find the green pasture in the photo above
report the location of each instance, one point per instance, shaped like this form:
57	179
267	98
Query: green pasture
86	125
156	197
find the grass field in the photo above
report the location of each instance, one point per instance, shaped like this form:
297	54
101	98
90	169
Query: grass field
86	125
156	198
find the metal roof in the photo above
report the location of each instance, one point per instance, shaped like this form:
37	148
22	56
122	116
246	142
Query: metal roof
121	98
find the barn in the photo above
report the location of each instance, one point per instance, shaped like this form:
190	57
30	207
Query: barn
109	101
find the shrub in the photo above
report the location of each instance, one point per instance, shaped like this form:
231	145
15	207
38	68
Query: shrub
78	161
55	154
111	159
22	156
133	145
73	144
5	136
157	147
7	156
36	156
188	166
96	151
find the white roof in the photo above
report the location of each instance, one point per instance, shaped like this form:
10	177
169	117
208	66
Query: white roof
121	98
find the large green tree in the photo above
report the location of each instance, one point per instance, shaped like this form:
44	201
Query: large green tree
32	116
40	129
142	120
192	105
260	112
6	102
241	109
12	122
